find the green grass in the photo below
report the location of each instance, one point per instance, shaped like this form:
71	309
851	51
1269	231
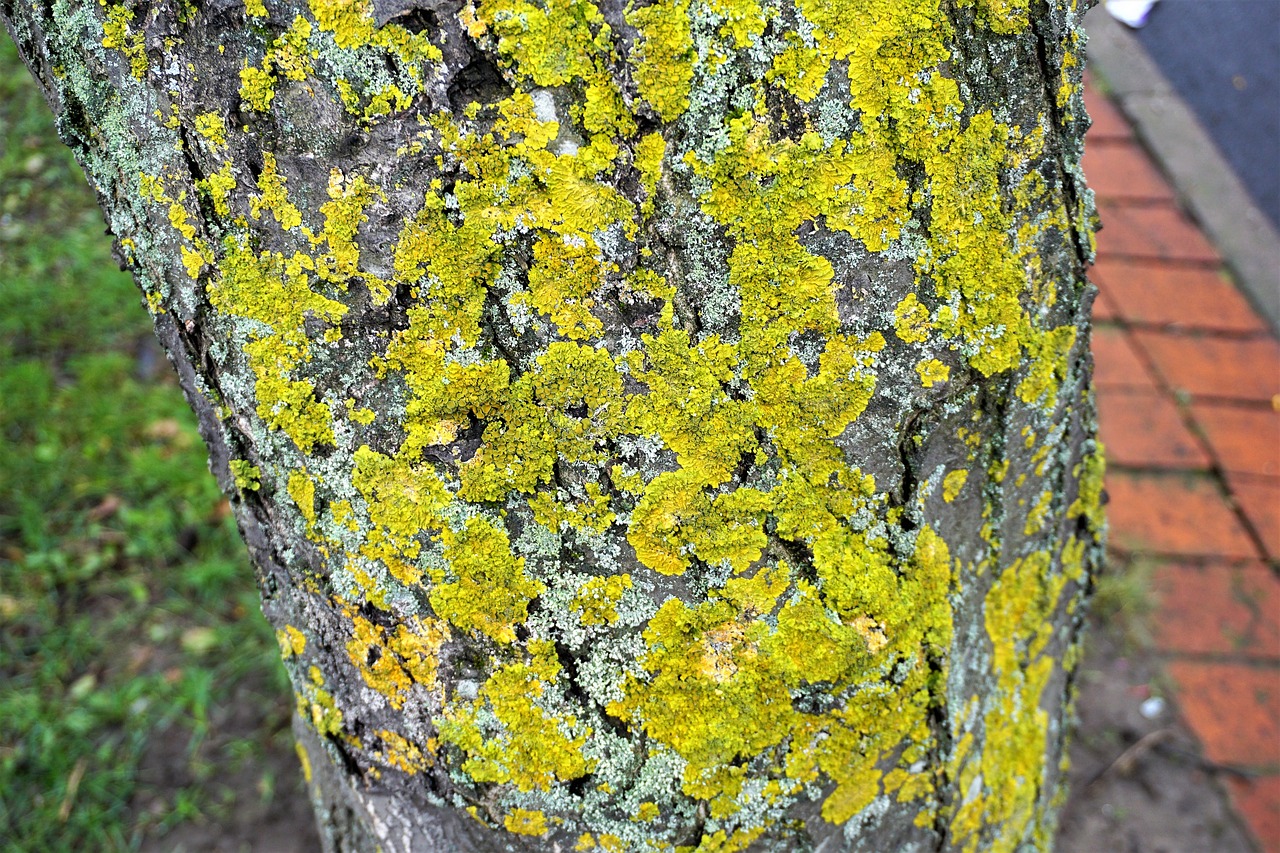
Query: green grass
127	606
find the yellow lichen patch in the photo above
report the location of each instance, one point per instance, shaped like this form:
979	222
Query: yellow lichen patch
1049	354
1090	473
1038	515
219	186
662	62
932	372
953	483
508	736
273	291
257	88
353	26
911	320
550	45
486	588
255	9
213	128
593	513
650	151
289	405
304	760
677	517
1002	16
292	642
973	259
343	214
454	263
711	694
525	822
178	219
1016	614
405	497
393	662
719	681
302	489
568	405
744	20
273	197
400	753
268	288
596	602
561	281
316	704
288	56
688	406
118	34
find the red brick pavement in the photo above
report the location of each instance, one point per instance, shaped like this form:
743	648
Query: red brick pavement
1188	380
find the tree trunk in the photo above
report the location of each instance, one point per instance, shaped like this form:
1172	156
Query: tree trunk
654	427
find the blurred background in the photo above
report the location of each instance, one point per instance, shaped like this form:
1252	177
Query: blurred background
140	688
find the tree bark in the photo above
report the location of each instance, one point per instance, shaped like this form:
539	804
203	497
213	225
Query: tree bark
654	427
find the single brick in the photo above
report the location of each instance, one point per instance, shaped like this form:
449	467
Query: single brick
1116	364
1176	514
1259	500
1234	708
1257	800
1120	170
1160	293
1143	428
1143	230
1218	608
1244	439
1108	121
1213	366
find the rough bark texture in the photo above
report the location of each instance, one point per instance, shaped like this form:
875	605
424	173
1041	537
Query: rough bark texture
655	427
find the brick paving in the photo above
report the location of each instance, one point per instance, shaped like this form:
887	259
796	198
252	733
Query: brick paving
1188	381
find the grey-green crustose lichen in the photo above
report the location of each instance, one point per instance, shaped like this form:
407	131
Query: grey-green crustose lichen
694	610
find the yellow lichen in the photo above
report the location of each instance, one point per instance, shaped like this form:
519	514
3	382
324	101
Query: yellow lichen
486	588
213	128
662	61
526	744
118	34
525	822
932	372
292	642
596	601
400	753
1090	474
393	662
911	320
257	88
247	476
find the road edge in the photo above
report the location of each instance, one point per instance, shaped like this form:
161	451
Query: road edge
1206	185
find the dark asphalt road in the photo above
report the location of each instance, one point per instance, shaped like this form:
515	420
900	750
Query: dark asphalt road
1223	57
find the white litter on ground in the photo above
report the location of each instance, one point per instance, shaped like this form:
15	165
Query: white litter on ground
1131	12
